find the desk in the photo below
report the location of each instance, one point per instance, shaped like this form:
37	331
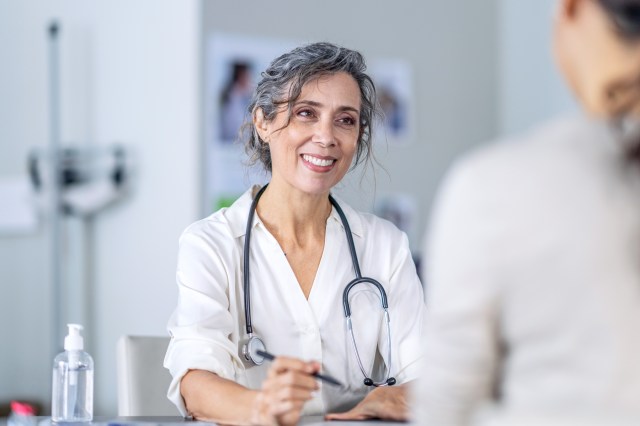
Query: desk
179	421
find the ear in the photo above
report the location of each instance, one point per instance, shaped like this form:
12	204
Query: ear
261	124
568	9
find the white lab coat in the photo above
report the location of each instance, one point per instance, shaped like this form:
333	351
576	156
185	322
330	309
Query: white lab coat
209	320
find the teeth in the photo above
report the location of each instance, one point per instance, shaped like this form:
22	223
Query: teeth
317	161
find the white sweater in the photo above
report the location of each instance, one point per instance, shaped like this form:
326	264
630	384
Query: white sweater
533	279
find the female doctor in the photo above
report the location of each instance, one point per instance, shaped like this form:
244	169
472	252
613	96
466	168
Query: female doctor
275	266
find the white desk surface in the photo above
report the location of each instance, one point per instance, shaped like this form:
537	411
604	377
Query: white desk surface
179	421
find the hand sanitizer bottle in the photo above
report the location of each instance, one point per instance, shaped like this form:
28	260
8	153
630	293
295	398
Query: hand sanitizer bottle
72	397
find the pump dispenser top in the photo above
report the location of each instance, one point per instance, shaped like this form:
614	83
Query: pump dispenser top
73	341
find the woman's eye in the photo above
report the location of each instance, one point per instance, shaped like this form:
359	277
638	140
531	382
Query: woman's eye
305	113
349	121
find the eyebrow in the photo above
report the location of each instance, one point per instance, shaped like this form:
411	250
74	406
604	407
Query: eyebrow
318	104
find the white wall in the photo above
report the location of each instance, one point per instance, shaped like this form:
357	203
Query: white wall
130	74
531	89
451	46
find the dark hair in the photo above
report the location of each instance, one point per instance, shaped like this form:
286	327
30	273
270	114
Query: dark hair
282	84
625	15
239	69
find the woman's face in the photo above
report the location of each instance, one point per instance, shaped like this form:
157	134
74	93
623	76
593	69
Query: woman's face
315	150
601	67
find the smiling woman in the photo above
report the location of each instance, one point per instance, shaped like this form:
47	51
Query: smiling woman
313	147
312	117
283	81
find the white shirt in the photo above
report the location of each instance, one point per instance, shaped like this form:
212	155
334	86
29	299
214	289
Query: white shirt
209	320
533	279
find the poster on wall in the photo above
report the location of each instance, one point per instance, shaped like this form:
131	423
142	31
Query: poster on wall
393	80
401	209
233	64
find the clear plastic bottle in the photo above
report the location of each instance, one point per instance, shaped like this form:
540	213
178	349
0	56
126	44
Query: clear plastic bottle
72	396
22	414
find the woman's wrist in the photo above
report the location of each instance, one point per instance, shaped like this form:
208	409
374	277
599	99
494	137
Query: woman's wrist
259	410
208	397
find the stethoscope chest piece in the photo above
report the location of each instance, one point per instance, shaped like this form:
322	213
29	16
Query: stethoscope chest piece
249	350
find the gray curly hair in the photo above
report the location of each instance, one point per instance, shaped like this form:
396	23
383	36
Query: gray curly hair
282	84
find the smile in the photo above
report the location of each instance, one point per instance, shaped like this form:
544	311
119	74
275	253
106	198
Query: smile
318	161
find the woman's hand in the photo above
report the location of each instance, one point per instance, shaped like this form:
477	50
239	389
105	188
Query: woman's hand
289	384
389	403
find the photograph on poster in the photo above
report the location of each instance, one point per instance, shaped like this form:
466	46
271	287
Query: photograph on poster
393	83
401	209
235	96
232	70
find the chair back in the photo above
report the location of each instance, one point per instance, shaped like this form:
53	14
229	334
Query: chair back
142	380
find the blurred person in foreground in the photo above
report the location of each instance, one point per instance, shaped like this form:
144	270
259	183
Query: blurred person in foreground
533	256
312	117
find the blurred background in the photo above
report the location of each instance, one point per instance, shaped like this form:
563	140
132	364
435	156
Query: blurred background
133	102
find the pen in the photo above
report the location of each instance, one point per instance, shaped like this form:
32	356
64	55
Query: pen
319	376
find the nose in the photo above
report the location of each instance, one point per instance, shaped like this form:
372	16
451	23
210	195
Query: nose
324	133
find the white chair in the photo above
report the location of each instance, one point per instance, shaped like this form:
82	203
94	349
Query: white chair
142	380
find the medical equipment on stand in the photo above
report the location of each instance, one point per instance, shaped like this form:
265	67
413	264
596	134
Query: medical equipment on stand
72	182
252	346
89	178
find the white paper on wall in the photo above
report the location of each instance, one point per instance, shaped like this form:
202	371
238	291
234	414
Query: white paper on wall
18	214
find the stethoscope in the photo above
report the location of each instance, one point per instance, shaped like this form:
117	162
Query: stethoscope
253	344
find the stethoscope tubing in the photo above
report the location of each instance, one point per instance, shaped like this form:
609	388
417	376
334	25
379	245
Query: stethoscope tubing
245	266
345	295
347	230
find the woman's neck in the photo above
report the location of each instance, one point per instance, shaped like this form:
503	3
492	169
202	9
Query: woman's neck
292	216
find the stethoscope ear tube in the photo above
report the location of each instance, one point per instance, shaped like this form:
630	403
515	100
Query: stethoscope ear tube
389	381
368	381
347	289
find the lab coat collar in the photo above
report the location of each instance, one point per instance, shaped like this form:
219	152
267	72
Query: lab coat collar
355	222
239	211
